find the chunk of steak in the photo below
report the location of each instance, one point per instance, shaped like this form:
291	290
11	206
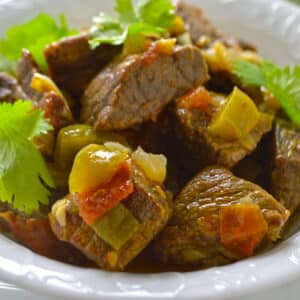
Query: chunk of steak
199	26
35	233
198	234
9	89
285	183
138	88
196	21
191	127
52	102
149	204
72	64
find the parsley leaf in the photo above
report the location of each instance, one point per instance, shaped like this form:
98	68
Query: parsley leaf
33	35
23	172
150	18
283	83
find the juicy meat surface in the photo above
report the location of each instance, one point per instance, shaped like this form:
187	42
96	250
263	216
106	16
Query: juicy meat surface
138	88
35	233
193	234
196	21
285	184
190	126
72	64
199	25
149	205
10	89
55	106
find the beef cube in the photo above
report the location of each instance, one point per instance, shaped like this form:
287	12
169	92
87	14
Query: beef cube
199	26
196	21
219	218
139	87
35	233
191	125
51	101
72	64
285	183
9	89
149	205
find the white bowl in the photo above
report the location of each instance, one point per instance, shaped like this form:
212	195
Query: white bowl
275	27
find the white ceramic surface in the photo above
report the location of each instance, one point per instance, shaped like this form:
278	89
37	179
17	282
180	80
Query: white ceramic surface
275	27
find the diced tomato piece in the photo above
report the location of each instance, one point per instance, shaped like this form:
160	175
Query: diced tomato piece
199	98
242	228
95	204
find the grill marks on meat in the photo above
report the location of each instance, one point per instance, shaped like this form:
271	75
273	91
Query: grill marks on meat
72	64
138	88
285	183
193	233
10	89
147	204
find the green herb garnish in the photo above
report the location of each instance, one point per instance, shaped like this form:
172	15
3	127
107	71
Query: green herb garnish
23	172
33	35
149	18
283	83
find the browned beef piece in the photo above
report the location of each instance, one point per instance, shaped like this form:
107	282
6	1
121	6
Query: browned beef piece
55	106
72	64
200	26
26	68
193	235
138	88
35	233
9	89
285	183
190	126
196	21
149	204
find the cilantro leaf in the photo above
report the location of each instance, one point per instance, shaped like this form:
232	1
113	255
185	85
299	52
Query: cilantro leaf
150	18
23	172
157	13
126	11
33	35
283	83
249	73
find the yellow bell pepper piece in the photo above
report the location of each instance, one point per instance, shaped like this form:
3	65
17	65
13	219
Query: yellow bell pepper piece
236	119
94	165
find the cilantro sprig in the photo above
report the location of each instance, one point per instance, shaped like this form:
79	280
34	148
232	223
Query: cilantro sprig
149	18
283	83
24	178
33	35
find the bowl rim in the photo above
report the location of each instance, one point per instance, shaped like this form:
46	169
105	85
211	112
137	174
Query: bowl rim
28	270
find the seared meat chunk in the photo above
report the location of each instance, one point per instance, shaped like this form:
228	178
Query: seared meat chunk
193	126
47	97
9	89
285	184
203	32
72	64
149	208
26	69
196	21
219	218
138	88
35	233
